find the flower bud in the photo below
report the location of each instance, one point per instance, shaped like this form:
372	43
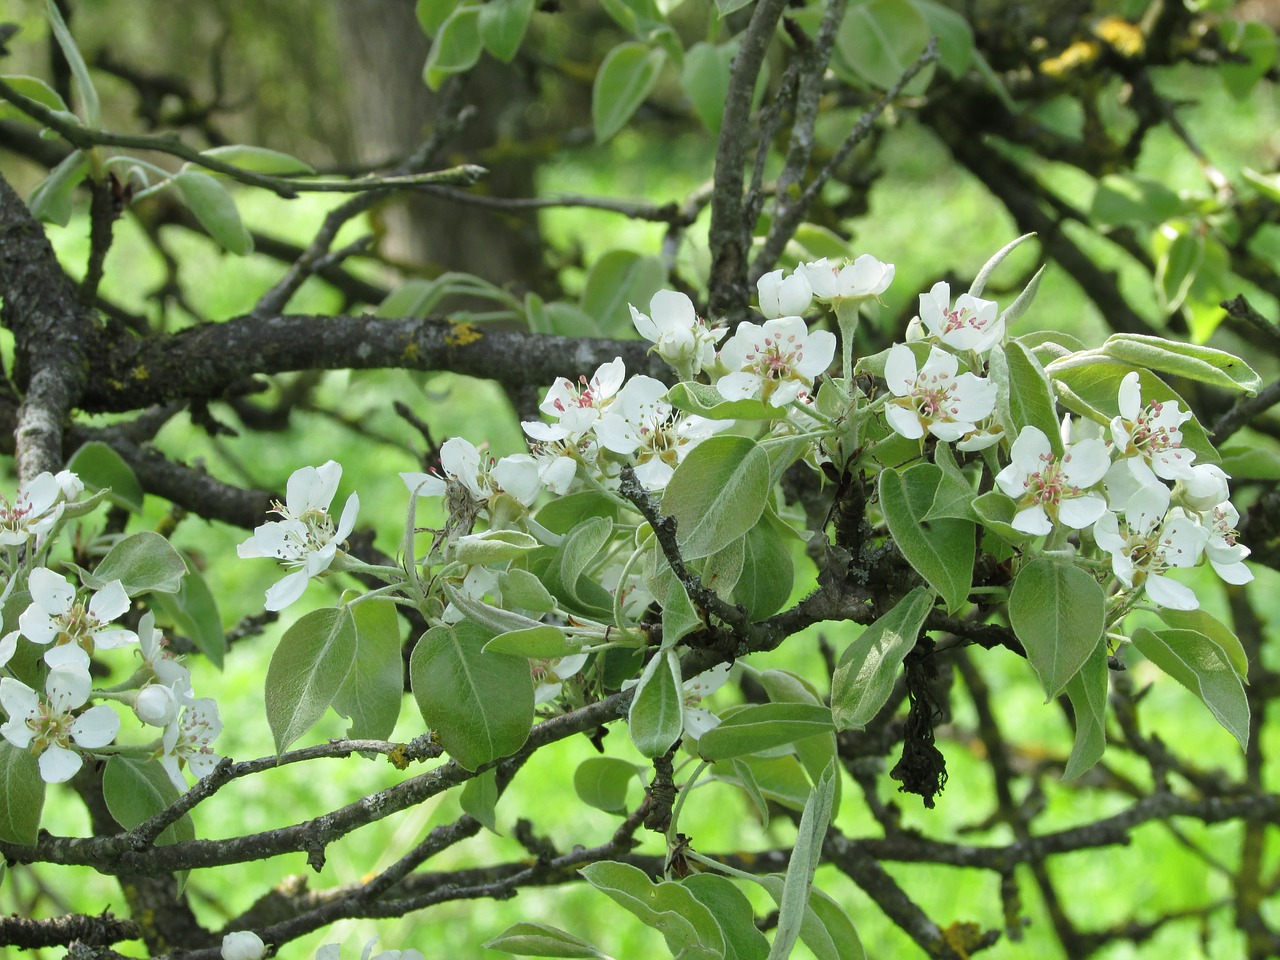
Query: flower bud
243	945
155	705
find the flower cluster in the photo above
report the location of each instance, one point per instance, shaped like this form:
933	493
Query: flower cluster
48	704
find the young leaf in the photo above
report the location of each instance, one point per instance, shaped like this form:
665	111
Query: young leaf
84	83
522	590
1023	394
867	669
194	612
51	200
814	753
1202	667
33	88
1058	612
616	279
456	48
21	794
955	36
880	39
705	80
705	401
942	551
732	910
374	689
768	572
259	159
668	907
603	782
1205	364
1203	623
763	726
793	904
1087	691
502	26
100	468
136	790
479	704
656	718
717	494
626	77
540	940
307	671
141	561
545	640
980	281
480	798
215	208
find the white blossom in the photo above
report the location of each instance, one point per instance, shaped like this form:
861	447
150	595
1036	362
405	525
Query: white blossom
973	324
1150	437
549	675
698	719
862	278
1048	489
56	615
934	398
776	362
679	335
48	725
575	408
306	540
1149	542
1226	554
188	741
34	510
642	425
243	945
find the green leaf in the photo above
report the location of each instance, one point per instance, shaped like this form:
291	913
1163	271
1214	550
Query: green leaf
141	561
493	546
793	904
955	494
374	689
625	79
726	7
814	753
1179	250
880	39
867	669
258	159
194	612
1250	462
577	552
307	671
616	279
996	512
21	794
656	717
1124	198
763	726
545	641
1087	691
215	208
84	83
1023	394
414	298
668	907
521	590
1202	667
705	401
136	790
717	494
1267	184
1216	631
768	572
479	704
559	318
1058	612
33	88
480	799
564	513
732	910
705	80
1195	362
979	285
540	940
829	932
942	551
1252	40
502	26
100	468
603	782
679	618
51	200
955	36
432	13
456	48
780	779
